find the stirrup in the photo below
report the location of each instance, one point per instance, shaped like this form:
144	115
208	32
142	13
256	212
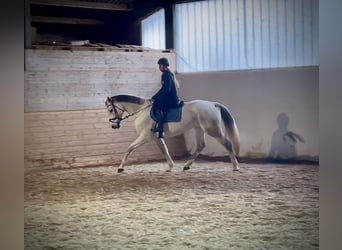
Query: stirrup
155	129
160	132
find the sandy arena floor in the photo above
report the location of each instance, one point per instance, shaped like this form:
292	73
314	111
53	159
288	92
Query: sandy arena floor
210	207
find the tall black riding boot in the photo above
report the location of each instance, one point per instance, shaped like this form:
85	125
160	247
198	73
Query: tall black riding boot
160	128
159	124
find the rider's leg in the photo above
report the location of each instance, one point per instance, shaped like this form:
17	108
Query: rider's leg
160	122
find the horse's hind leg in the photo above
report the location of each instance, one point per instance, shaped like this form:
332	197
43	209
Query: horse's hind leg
228	145
200	144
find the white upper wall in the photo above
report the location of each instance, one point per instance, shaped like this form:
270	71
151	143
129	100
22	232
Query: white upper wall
153	30
227	35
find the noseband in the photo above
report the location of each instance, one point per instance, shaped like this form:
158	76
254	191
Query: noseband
116	119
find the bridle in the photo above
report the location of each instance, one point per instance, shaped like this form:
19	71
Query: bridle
116	120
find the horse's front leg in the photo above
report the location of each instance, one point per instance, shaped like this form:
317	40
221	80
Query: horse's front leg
162	145
134	145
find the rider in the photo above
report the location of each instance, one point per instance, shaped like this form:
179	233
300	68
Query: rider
166	97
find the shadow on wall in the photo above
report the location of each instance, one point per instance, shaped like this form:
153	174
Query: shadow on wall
284	141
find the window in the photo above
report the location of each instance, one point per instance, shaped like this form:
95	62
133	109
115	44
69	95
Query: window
153	30
245	34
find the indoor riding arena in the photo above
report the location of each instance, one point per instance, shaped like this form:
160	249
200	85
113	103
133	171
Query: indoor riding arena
259	59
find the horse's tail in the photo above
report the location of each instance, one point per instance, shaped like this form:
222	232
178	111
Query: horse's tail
231	127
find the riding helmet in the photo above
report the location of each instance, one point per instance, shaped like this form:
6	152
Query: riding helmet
163	61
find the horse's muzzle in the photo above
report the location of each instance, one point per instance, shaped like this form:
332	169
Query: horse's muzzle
115	122
116	126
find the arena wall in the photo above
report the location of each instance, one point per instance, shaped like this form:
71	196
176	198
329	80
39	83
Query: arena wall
66	124
267	104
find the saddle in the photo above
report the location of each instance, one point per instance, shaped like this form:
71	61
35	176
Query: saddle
172	114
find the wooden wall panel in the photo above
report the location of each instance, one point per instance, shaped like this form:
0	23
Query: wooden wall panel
69	80
64	139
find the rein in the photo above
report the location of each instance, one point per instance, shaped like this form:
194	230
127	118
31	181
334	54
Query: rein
130	114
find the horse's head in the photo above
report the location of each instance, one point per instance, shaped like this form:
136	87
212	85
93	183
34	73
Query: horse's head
118	112
109	104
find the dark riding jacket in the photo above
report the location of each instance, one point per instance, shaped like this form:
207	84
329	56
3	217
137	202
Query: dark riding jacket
167	96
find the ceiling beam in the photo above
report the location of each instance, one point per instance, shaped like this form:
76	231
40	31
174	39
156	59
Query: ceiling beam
64	20
83	4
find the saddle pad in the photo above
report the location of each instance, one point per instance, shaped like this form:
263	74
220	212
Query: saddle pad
173	115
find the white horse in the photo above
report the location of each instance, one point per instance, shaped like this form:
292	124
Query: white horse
204	117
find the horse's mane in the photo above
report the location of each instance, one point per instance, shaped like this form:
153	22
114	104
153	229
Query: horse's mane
129	99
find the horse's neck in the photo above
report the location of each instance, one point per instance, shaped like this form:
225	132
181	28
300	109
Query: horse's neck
132	107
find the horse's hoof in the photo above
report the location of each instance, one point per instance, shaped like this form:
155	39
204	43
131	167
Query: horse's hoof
168	170
186	168
120	170
236	169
